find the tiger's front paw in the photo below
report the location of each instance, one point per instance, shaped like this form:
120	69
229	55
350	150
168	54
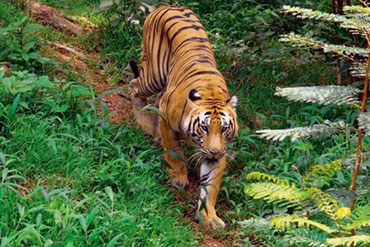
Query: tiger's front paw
211	221
180	180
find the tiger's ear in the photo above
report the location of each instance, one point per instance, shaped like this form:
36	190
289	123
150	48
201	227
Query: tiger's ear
233	101
194	95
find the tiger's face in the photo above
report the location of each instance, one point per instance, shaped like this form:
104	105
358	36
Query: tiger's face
211	125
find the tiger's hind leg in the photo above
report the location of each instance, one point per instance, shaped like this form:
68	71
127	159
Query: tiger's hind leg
174	155
146	120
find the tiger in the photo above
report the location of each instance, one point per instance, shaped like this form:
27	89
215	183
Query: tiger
179	66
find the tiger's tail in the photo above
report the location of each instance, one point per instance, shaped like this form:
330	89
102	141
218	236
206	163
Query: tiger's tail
134	68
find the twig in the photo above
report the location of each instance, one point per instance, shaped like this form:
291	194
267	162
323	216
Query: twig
124	95
69	49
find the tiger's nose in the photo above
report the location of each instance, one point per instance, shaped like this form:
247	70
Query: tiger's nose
214	153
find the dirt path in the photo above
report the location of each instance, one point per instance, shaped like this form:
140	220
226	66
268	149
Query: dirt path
86	64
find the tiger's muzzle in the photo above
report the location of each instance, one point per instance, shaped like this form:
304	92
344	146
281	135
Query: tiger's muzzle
213	154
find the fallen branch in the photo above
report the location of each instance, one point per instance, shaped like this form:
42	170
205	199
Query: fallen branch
51	16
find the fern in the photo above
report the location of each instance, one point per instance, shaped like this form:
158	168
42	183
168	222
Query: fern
357	69
358	223
345	51
317	130
324	95
356	9
364	122
265	176
360	22
303	13
285	222
327	170
325	202
272	192
360	218
348	241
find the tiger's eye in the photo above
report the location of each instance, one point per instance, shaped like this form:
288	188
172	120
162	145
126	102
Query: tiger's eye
204	128
224	129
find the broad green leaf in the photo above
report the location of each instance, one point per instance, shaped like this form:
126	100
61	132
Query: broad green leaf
104	106
83	223
2	158
36	209
14	106
32	27
112	243
109	192
174	154
5	241
91	216
29	45
44	81
109	92
48	243
153	109
69	242
25	57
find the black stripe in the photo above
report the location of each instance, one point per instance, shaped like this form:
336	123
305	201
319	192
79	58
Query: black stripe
159	61
194	123
195	27
195	39
155	20
201	73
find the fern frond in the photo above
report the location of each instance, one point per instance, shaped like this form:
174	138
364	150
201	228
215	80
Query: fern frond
345	51
348	241
303	13
358	223
357	69
285	222
362	211
323	95
327	170
272	192
364	122
325	202
356	9
357	22
349	162
316	130
359	218
265	176
305	237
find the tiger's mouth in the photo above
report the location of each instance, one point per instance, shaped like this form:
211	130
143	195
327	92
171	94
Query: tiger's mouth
213	155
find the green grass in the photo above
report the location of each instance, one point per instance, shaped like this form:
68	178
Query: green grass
81	180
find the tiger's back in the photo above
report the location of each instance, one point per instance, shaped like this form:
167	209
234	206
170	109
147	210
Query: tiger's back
176	55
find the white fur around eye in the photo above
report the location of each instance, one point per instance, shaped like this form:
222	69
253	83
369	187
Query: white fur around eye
225	120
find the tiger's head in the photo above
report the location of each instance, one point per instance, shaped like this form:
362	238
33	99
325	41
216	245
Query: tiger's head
211	123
